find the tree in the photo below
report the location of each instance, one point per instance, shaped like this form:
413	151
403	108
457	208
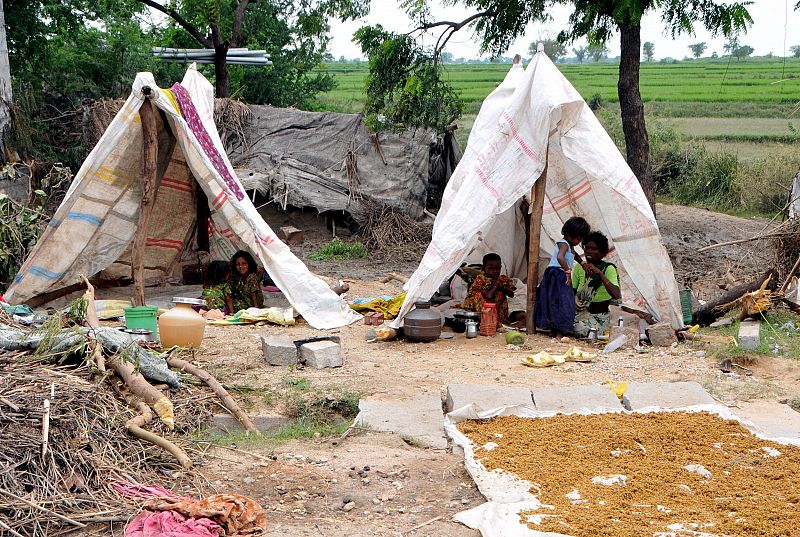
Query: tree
554	49
649	50
5	86
698	49
743	52
221	25
795	50
597	51
731	45
580	53
447	57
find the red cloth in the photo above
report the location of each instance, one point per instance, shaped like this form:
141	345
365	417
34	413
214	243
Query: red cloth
170	524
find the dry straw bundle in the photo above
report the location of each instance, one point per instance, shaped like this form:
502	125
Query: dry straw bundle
387	231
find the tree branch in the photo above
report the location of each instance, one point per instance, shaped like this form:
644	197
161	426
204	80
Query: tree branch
238	21
458	25
174	15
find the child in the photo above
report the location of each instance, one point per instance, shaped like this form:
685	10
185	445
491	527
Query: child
246	283
490	286
217	289
596	284
555	299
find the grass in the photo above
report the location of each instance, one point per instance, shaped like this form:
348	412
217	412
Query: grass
775	339
338	249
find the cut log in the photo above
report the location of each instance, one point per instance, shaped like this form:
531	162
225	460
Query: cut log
135	427
142	389
714	309
149	187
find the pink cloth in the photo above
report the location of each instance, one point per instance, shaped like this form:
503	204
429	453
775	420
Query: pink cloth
170	524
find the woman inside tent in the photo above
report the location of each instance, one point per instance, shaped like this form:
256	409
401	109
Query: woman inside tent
246	287
596	285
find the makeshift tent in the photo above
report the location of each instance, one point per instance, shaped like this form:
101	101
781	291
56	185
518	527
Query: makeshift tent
535	124
93	229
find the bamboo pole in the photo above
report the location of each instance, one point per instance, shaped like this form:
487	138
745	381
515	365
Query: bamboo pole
534	233
149	177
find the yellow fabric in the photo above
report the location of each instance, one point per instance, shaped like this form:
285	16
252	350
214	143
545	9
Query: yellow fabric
169	95
390	308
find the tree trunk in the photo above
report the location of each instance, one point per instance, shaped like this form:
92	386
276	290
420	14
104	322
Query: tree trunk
5	88
630	102
222	75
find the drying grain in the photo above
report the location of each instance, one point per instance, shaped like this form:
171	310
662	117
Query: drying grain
664	459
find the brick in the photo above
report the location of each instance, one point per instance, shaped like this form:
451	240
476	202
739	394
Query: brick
321	354
749	334
631	331
291	235
279	350
661	335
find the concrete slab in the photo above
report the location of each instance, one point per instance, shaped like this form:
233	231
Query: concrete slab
226	424
485	397
667	394
750	334
575	398
770	419
420	418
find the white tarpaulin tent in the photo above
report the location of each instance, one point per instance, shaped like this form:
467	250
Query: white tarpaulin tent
536	116
93	229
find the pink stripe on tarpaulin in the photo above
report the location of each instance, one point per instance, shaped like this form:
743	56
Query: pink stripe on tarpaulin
518	138
485	180
189	112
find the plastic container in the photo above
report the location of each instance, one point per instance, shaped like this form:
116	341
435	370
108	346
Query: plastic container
142	317
686	305
182	326
488	319
422	324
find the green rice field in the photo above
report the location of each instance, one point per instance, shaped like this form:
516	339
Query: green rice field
753	87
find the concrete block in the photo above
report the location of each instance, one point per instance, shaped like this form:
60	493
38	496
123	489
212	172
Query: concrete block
770	419
667	394
418	418
485	397
290	235
661	335
749	334
226	424
279	350
631	331
321	354
567	399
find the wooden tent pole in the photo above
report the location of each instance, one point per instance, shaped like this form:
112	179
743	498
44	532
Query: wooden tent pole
150	170
534	232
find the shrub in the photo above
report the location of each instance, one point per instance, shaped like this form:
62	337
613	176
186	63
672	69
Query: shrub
338	249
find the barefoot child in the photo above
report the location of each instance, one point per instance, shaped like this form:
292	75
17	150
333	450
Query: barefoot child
555	298
596	284
490	286
217	290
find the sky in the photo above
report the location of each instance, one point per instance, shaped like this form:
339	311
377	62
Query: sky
775	28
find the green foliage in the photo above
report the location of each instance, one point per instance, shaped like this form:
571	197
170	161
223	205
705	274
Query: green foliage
326	410
20	227
649	50
554	49
338	249
795	50
404	87
595	102
698	49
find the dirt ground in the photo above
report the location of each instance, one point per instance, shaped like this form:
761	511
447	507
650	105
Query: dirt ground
304	488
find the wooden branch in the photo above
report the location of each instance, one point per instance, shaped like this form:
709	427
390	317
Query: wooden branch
45	427
789	277
139	387
149	177
714	309
9	529
394	276
538	193
458	25
135	427
238	20
174	15
218	389
43	509
91	311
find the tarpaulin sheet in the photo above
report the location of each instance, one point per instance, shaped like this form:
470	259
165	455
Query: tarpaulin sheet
92	229
536	121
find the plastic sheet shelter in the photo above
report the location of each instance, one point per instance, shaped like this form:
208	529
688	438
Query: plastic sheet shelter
535	116
93	229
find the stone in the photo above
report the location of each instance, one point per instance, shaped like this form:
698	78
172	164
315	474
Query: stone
279	350
420	419
667	394
290	235
631	331
773	420
321	354
226	424
750	334
485	397
567	399
661	335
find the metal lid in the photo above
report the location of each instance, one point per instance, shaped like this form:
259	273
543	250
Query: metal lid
192	301
466	315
